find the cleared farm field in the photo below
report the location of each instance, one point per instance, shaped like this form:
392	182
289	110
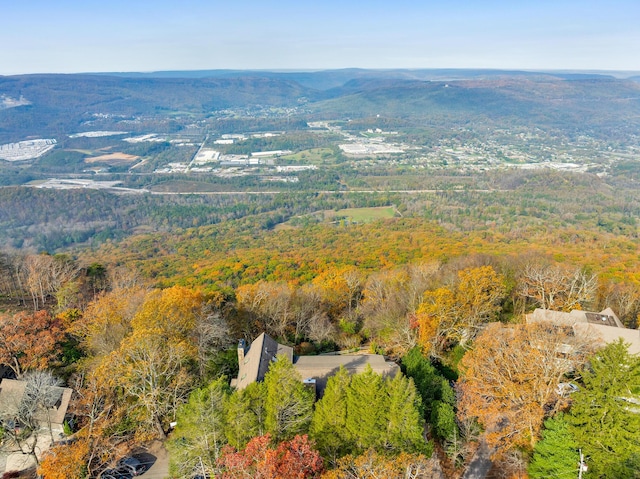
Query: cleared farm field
353	215
364	215
112	159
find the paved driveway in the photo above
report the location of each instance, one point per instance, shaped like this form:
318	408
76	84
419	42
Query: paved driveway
480	464
158	456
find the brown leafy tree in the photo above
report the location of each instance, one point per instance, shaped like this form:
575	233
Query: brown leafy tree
271	304
100	412
509	380
155	375
390	299
154	365
372	464
556	287
46	275
107	319
455	314
341	289
175	311
624	299
294	459
28	341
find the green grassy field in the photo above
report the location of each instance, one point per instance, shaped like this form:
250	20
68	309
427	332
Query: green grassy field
314	155
364	215
354	215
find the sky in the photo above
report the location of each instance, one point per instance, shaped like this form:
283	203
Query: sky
71	36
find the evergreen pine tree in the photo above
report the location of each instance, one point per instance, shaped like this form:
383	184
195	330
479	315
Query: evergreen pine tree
556	455
245	415
438	397
443	420
604	416
429	383
289	403
367	410
329	422
405	422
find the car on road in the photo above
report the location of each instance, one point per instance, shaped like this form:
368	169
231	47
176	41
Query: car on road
127	468
133	464
116	473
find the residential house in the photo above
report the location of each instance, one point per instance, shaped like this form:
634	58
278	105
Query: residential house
603	326
315	370
12	392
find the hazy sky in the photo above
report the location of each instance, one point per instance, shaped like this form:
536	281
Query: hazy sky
142	35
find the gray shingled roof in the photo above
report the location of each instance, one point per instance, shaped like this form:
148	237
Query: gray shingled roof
257	358
322	367
264	349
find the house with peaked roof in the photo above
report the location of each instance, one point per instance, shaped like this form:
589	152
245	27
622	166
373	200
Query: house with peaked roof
253	362
315	370
604	326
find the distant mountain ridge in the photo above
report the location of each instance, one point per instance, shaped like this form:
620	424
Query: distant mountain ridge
60	104
324	79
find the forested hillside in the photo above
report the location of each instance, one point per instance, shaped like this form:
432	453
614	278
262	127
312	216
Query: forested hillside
77	98
403	287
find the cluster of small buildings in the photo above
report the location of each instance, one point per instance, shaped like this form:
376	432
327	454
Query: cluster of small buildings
362	148
151	138
230	139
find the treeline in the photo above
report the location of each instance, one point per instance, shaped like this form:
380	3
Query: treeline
508	206
239	252
46	220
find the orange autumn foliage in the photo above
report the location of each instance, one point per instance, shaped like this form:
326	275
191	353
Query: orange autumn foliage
294	459
509	380
65	461
454	314
28	341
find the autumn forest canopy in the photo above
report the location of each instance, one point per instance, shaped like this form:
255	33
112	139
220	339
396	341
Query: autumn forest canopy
464	209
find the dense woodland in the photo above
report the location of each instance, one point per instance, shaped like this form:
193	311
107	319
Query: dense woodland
107	331
502	203
418	291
